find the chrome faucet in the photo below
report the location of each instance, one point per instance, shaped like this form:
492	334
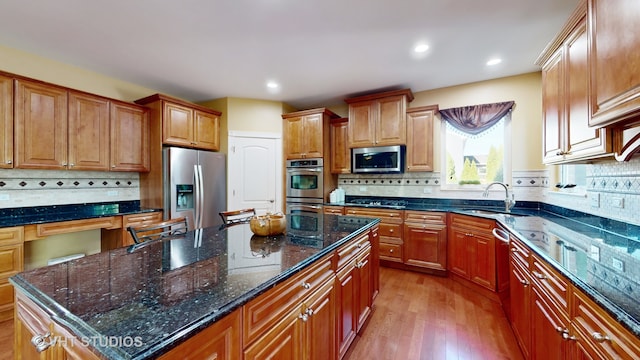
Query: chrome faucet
509	201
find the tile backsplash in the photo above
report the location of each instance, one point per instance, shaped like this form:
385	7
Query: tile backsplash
22	188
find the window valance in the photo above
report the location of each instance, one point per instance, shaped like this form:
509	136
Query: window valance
476	118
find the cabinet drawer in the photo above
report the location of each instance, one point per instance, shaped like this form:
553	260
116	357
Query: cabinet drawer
601	331
425	217
338	210
63	227
11	236
474	222
519	252
350	250
6	294
263	312
385	215
390	230
391	252
551	282
141	219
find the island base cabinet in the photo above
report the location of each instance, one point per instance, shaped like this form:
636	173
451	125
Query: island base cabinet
307	332
219	341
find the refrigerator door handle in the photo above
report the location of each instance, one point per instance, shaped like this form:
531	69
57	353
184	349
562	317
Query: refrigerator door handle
201	200
196	197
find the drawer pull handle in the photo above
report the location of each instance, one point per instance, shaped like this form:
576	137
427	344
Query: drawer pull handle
514	250
309	311
566	336
360	246
303	317
306	285
391	251
597	337
539	276
40	341
525	283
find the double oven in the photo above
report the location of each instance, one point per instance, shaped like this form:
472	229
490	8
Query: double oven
304	197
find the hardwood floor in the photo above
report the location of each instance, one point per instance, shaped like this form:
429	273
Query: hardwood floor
420	316
6	340
416	316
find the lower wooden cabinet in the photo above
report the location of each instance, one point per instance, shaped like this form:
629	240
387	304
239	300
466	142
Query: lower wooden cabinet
115	238
549	328
472	251
11	263
519	295
389	230
425	239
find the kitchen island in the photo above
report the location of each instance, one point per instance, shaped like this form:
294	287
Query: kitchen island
145	300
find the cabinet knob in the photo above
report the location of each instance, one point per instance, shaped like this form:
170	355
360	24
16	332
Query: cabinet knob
9	162
41	343
309	311
113	166
597	337
72	165
539	276
303	317
391	231
524	283
391	251
306	285
514	250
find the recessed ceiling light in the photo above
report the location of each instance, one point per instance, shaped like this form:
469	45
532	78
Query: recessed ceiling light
421	48
272	85
495	61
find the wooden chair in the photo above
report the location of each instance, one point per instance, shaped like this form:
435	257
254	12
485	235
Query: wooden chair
160	230
237	216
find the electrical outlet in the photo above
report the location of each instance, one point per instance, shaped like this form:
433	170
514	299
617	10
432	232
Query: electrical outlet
617	202
363	188
4	197
426	190
595	253
112	193
617	264
595	200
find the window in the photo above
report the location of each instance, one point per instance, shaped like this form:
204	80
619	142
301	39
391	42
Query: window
573	178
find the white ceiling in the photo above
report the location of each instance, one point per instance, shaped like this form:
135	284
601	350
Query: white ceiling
320	51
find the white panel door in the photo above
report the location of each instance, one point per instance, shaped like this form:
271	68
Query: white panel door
255	172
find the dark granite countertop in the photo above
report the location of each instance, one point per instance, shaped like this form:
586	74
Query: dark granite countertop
600	256
55	213
155	295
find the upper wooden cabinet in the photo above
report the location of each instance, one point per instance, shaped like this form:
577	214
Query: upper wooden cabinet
567	136
614	60
340	152
420	138
6	122
129	138
40	138
59	128
184	124
306	133
378	119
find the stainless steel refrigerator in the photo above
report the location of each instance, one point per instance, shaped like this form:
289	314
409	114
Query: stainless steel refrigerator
195	185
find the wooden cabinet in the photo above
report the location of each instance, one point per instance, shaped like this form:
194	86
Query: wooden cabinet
567	136
58	128
519	293
6	122
378	119
129	138
34	326
340	151
11	263
420	138
472	251
306	133
184	124
390	230
614	58
115	238
548	328
41	130
425	239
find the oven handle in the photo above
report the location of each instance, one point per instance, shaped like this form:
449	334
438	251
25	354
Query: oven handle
300	170
313	208
501	235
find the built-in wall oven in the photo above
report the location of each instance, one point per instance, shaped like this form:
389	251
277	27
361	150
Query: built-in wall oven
305	180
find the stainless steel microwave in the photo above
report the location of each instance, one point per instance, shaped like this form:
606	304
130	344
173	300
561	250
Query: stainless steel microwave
376	160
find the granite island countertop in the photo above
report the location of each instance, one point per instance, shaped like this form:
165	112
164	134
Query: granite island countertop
161	293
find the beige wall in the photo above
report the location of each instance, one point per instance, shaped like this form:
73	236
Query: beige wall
526	128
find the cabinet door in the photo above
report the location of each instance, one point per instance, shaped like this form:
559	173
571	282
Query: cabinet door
458	254
483	260
30	321
340	152
347	300
362	122
177	125
582	140
283	341
553	109
391	121
425	245
320	337
313	136
547	328
206	130
6	122
129	138
520	306
294	137
364	287
88	132
615	74
40	126
420	140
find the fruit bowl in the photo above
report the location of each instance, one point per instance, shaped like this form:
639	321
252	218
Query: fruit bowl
269	224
